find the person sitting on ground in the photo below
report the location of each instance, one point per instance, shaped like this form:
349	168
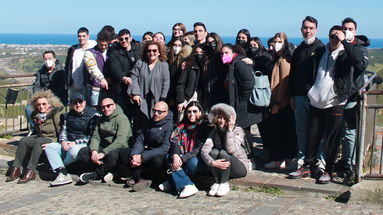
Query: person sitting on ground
186	142
224	149
76	127
46	115
150	147
109	137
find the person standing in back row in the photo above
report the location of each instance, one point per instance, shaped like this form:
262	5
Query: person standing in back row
74	64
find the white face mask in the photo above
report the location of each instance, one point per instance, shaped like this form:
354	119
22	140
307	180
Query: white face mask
176	49
349	36
278	46
309	40
49	63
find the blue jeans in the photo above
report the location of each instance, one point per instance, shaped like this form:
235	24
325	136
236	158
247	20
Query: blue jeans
57	157
92	96
28	113
301	125
180	178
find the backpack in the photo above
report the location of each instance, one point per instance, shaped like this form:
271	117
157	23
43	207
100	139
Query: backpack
261	94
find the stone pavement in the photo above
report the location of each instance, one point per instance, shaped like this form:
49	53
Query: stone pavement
37	197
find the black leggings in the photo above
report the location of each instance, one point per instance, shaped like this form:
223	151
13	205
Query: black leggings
236	169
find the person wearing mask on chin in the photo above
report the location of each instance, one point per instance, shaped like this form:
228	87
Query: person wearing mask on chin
356	43
302	66
337	64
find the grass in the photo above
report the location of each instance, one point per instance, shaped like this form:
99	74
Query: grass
275	191
331	197
6	136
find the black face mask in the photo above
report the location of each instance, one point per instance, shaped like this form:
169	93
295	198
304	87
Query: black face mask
212	45
241	42
253	50
198	58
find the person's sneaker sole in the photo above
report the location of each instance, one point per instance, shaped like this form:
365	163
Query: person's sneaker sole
62	183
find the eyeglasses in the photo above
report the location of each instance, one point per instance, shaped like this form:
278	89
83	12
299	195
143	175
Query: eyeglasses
103	107
158	111
192	111
152	50
124	38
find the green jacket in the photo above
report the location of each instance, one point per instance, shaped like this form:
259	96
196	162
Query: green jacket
111	133
51	126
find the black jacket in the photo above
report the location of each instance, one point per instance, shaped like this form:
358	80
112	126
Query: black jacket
187	84
302	66
119	65
347	66
240	85
154	139
52	81
68	66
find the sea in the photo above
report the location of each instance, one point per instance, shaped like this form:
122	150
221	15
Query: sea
70	39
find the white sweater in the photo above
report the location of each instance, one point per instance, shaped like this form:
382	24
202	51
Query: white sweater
322	93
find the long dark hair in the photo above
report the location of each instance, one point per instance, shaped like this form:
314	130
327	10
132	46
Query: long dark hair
193	104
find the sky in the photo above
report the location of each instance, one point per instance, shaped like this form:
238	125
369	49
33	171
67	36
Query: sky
262	18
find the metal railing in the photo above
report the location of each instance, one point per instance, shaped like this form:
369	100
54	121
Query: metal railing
369	157
13	100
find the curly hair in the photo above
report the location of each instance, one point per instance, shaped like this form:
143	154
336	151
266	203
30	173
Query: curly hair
53	100
161	49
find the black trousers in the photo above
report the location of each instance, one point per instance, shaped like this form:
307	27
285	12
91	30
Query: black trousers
236	169
324	123
281	136
155	165
109	161
26	143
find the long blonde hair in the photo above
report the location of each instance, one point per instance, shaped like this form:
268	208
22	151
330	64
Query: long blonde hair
53	100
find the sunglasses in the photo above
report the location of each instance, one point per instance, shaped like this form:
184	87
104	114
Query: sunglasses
77	102
124	38
191	111
152	50
106	106
42	104
158	111
333	36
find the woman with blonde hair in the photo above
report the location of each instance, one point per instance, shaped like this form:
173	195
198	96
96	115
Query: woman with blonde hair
47	110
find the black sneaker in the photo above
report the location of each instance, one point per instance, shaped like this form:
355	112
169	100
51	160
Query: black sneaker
88	176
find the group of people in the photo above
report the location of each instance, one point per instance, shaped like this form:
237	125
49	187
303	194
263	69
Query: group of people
183	107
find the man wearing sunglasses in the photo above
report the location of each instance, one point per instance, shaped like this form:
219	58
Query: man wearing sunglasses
76	128
150	147
336	64
109	137
119	65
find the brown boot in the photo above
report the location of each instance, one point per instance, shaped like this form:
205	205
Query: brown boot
29	175
15	173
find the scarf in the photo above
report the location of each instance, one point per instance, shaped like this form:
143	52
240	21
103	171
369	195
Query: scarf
185	135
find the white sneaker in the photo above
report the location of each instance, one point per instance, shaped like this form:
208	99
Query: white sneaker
165	186
62	179
188	191
213	189
108	178
274	164
295	164
223	189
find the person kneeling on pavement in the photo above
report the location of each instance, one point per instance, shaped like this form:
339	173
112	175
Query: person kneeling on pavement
186	142
109	137
76	127
224	149
149	148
